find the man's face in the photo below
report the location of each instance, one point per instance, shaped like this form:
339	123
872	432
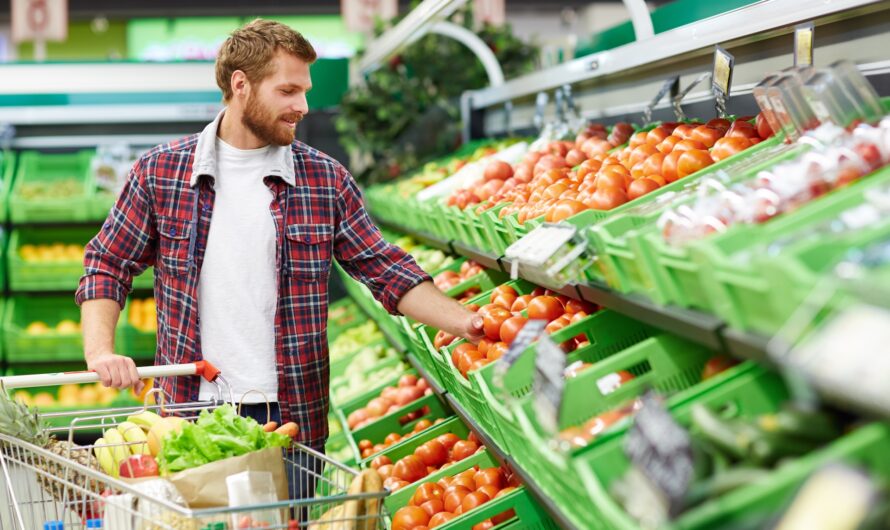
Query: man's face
276	104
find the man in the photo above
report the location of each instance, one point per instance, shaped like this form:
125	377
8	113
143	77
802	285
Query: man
241	222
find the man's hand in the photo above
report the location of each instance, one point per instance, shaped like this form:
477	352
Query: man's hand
425	303
474	332
116	371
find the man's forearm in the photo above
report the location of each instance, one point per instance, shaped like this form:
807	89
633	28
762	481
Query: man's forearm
98	319
425	303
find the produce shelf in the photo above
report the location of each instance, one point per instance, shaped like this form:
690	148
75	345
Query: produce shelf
486	259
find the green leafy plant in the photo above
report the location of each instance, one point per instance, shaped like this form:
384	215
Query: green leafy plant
408	111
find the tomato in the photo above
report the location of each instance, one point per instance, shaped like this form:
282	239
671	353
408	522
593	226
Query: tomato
657	135
742	129
564	209
669	166
466	360
668	144
503	295
392	438
422	425
460	349
441	518
687	145
484	525
706	135
432	453
487	308
719	123
464	481
510	328
641	187
608	198
491	476
684	131
498	170
658	179
545	308
385	471
497	350
523	173
379	461
728	146
589	166
491	323
521	303
463	449
612	179
505	516
474	500
433	507
763	127
575	157
548	162
453	497
443	339
428	491
365	444
652	165
448	440
574	306
692	161
715	365
641	153
394	484
558	324
506	491
638	138
410	469
409	517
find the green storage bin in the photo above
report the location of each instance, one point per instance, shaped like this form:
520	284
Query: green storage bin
132	341
407	446
484	281
752	394
616	239
496	232
730	263
37	171
49	346
383	369
7	176
377	430
665	363
339	366
529	516
45	273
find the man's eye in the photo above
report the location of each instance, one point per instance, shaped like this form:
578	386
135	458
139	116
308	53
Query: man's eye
287	92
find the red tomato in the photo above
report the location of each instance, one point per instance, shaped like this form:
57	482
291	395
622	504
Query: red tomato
392	438
521	303
428	491
657	135
463	449
587	167
409	517
564	209
474	500
385	471
687	145
546	308
612	178
422	425
669	167
464	481
668	144
510	328
491	323
692	161
460	349
505	491
433	507
763	128
394	483
441	518
410	469
466	360
638	138
742	129
575	157
684	131
432	453
492	476
504	296
706	135
443	339
652	165
381	460
728	146
641	153
484	525
558	324
448	440
641	187
608	198
453	497
498	170
719	123
574	306
715	365
497	350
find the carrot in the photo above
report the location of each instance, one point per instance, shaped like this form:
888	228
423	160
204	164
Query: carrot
271	426
288	429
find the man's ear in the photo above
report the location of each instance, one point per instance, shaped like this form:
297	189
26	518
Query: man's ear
240	84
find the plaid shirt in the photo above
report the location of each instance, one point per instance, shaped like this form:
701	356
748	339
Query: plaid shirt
162	218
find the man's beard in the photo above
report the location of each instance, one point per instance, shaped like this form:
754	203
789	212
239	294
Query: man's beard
265	125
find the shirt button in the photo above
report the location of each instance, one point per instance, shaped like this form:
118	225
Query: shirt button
107	226
172	231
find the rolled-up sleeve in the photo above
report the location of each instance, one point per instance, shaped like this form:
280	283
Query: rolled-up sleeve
124	247
387	270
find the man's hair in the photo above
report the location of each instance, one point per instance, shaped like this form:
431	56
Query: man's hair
251	49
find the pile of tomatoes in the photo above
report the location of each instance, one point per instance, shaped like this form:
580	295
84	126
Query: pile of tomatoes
369	448
436	503
446	280
410	388
503	318
429	457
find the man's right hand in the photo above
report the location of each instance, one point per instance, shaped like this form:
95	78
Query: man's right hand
116	371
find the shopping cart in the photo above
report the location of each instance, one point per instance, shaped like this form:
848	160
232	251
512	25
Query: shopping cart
55	484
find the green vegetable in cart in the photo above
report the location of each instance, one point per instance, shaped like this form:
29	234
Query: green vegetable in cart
215	436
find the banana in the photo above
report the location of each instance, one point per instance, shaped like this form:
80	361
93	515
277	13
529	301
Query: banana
105	458
134	434
116	443
145	419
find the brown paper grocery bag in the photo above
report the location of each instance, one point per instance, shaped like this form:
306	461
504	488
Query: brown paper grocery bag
205	486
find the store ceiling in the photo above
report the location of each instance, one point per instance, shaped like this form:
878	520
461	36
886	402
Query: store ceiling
88	9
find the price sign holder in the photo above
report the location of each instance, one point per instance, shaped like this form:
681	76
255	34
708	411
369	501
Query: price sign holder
549	383
546	255
661	450
671	85
804	40
526	336
721	78
677	100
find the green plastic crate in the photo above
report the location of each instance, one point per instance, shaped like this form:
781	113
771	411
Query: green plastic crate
46	275
615	239
729	263
382	369
529	516
484	281
7	176
24	347
377	430
665	363
407	446
37	168
755	393
133	342
496	232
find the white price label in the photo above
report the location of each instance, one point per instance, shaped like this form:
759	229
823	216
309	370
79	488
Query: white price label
803	44
549	383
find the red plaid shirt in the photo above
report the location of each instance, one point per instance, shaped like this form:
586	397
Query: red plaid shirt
319	218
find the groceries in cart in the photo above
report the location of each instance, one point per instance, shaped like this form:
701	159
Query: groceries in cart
169	466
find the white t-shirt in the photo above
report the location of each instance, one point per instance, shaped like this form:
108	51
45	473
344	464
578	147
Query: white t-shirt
237	290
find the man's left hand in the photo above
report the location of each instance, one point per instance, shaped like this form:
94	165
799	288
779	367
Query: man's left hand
474	332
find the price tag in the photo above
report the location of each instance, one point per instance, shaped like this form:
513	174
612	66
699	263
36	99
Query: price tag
526	336
721	77
550	365
671	85
661	450
803	44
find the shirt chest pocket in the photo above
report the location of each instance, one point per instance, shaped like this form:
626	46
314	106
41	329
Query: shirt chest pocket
309	249
174	236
